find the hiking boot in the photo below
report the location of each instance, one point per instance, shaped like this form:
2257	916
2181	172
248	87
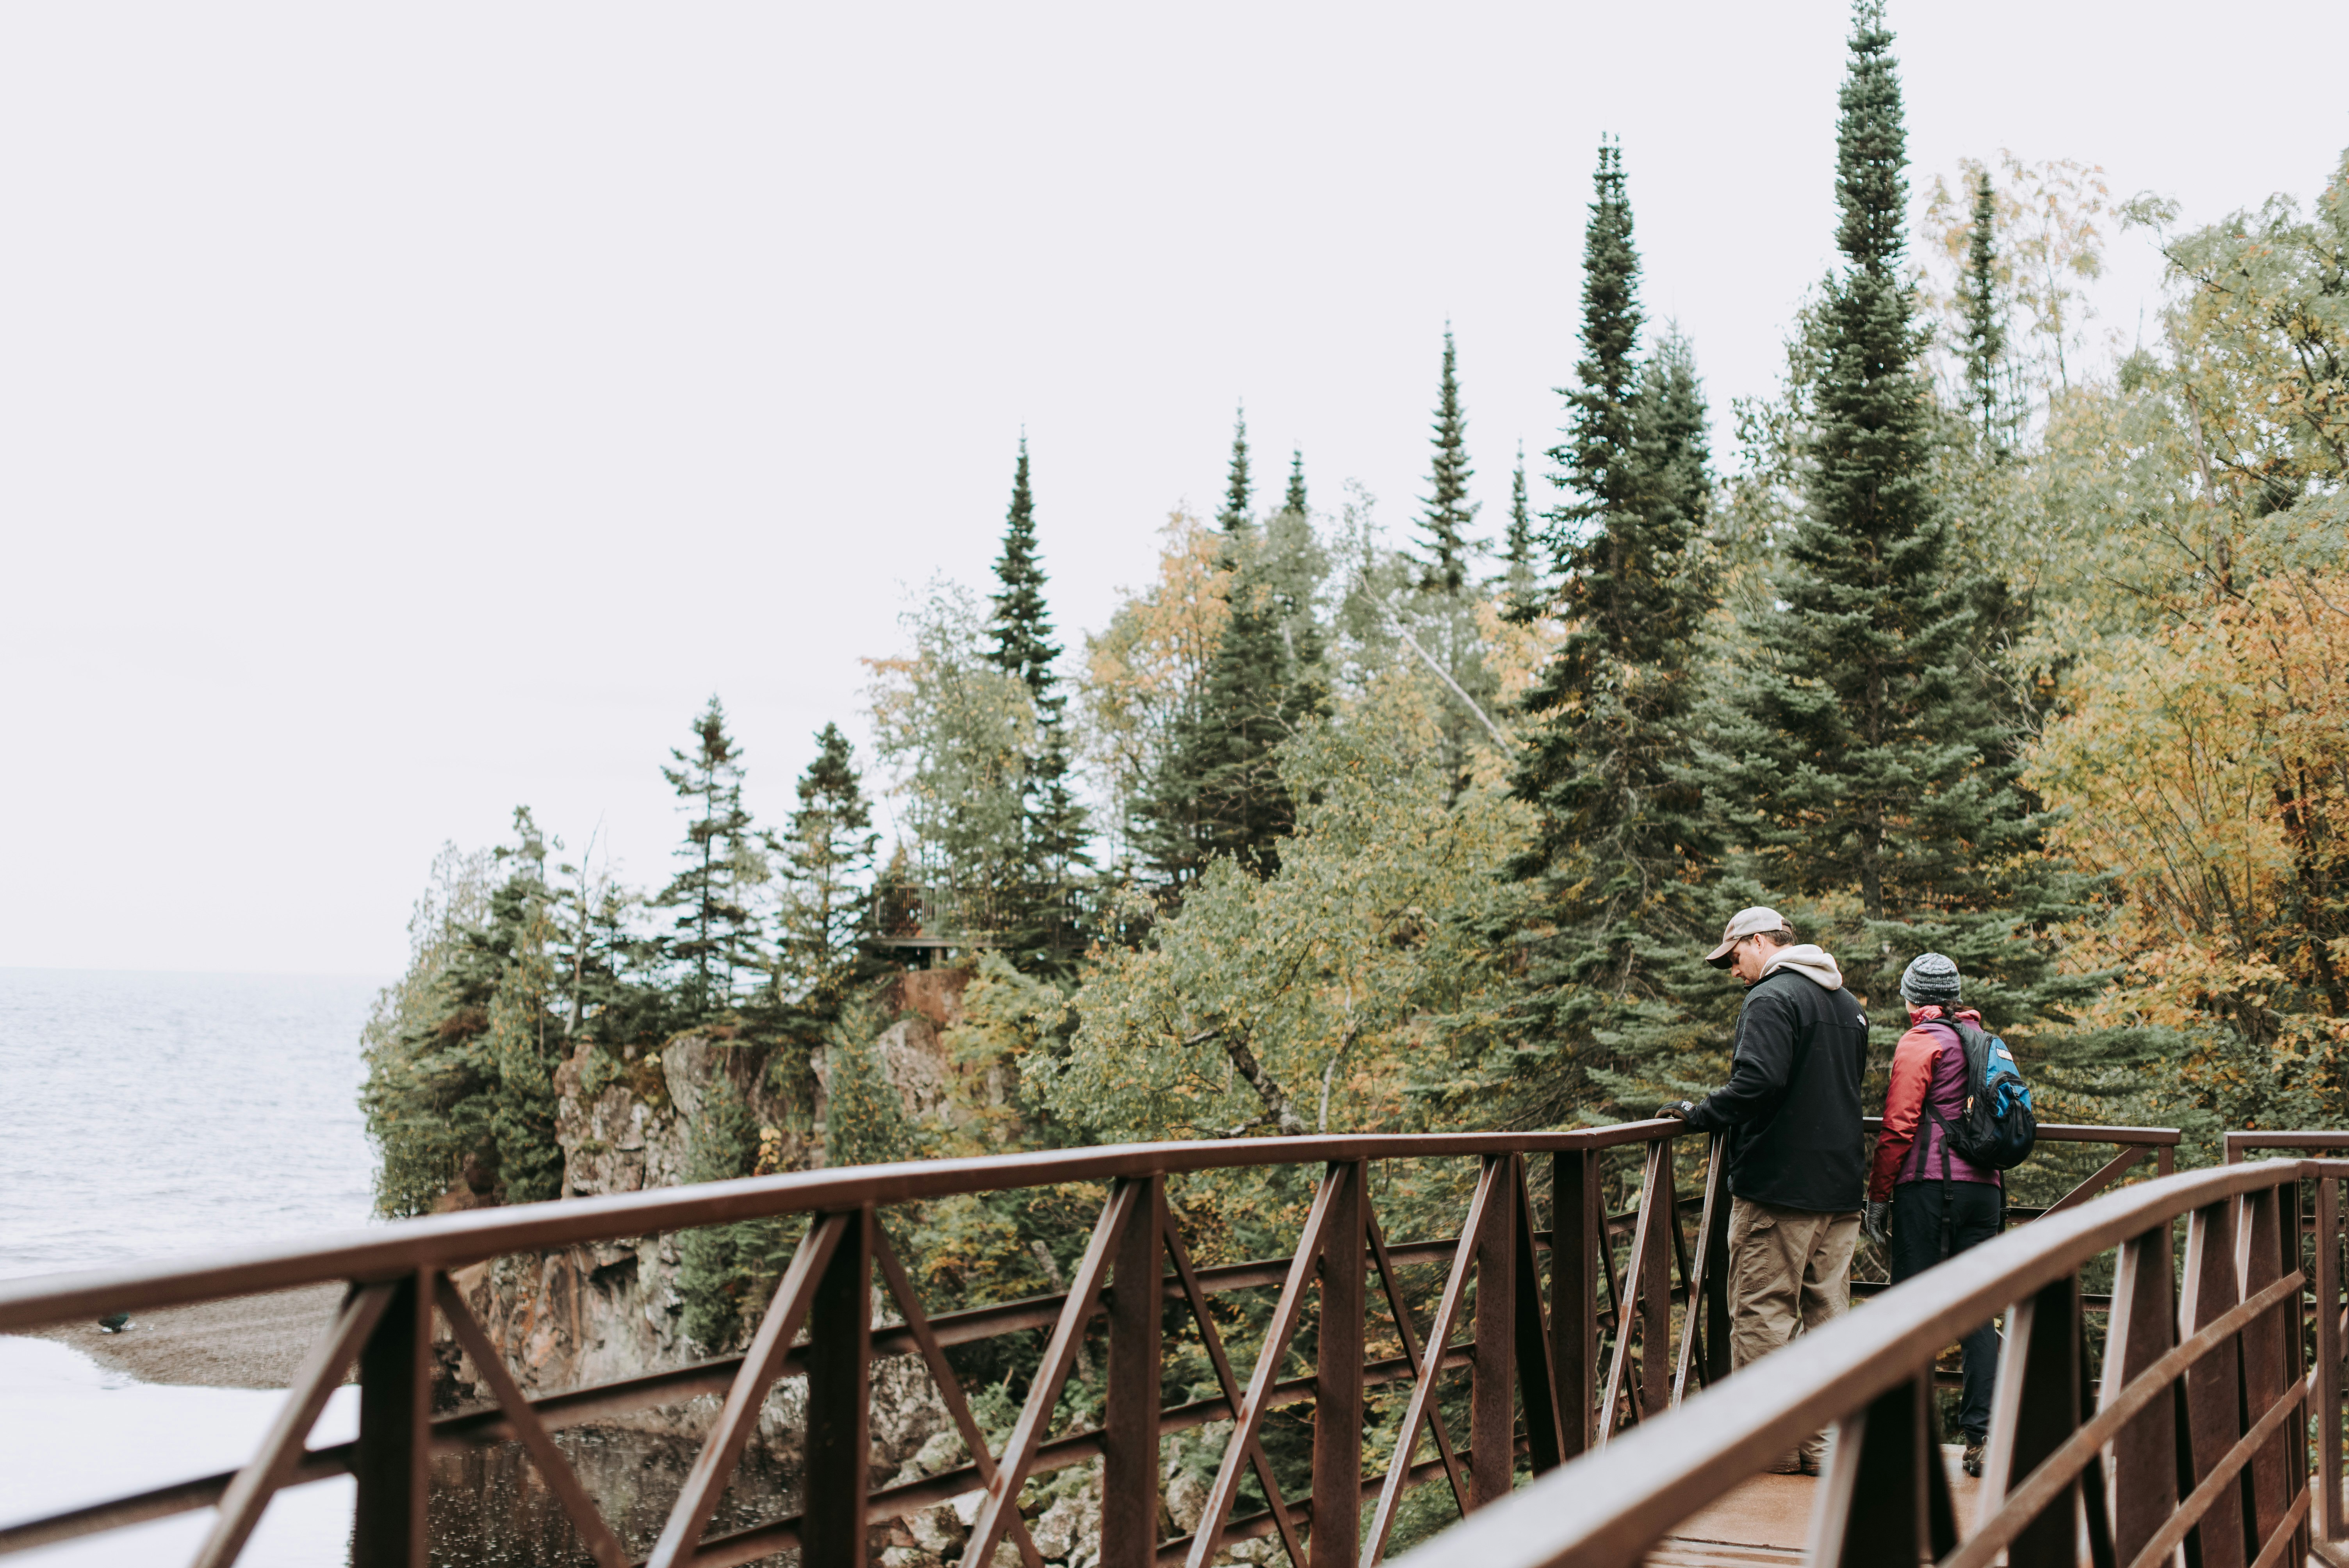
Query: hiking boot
1972	1461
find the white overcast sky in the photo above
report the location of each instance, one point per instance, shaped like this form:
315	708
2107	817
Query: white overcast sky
408	411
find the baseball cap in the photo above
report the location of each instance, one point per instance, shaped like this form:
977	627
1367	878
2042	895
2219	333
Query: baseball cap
1745	923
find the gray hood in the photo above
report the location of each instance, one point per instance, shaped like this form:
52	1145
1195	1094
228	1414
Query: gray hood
1810	961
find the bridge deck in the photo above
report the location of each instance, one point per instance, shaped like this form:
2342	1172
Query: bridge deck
1767	1519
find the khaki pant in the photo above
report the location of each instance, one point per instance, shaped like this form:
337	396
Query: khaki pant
1789	1269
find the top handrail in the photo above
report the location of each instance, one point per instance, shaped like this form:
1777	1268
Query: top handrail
449	1241
2244	1141
1610	1506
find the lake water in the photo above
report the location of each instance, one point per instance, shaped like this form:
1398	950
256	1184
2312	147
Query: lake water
144	1115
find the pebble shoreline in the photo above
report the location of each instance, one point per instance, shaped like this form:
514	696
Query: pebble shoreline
249	1342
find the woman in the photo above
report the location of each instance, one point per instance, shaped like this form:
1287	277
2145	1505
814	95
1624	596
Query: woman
1939	1202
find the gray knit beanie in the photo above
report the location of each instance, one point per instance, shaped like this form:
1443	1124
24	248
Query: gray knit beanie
1930	978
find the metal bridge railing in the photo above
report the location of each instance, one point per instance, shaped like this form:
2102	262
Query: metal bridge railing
2187	1424
1550	1373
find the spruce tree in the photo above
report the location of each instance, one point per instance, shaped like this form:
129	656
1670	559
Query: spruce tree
1242	808
1444	566
825	861
714	933
1041	917
1520	572
1985	340
1022	624
1623	855
1236	492
1218	791
1868	756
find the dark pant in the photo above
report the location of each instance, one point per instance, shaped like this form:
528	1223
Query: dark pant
1974	1207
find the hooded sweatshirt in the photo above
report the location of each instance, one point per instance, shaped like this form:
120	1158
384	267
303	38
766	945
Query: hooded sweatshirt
1791	1108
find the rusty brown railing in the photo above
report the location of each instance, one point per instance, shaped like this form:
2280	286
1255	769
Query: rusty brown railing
2191	1430
1551	1373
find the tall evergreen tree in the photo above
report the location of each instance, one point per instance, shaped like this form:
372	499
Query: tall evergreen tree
1985	341
716	936
1596	464
825	861
1520	572
1042	914
1868	742
1218	791
1623	851
1260	687
1237	490
1022	623
1443	526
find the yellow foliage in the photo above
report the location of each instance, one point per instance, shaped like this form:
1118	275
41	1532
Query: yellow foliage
2206	766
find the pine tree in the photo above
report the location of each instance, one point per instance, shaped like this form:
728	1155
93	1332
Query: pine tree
1596	464
1294	501
716	936
1443	568
824	859
1521	574
1022	624
1869	741
1040	916
1624	851
1218	790
1985	340
1236	492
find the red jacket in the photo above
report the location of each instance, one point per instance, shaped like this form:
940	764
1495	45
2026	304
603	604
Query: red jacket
1929	1065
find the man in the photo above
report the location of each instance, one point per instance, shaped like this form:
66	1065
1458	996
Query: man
1939	1202
1797	1157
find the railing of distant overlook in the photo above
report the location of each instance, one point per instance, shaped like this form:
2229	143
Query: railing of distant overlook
1551	1372
2181	1433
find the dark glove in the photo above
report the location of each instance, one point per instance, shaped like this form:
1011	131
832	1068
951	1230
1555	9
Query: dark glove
1677	1109
1876	1221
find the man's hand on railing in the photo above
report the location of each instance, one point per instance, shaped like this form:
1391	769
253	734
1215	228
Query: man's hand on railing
1677	1109
1876	1221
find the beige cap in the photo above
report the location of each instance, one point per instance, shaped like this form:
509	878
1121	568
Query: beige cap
1744	924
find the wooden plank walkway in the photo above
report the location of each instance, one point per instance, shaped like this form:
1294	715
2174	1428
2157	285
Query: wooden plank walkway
1767	1521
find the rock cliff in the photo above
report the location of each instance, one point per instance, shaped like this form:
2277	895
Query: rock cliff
594	1314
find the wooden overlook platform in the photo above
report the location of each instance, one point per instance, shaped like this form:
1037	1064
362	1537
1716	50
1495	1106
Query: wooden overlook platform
2170	1381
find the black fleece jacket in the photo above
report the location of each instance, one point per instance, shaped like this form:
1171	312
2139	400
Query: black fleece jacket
1792	1105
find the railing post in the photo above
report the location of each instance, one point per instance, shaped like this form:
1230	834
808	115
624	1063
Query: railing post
1492	1413
2328	1357
1574	1291
2035	1409
1660	1198
2268	1357
839	1407
2140	1331
1537	1372
1885	1498
1130	1417
1716	1267
1338	1379
395	1432
2214	1412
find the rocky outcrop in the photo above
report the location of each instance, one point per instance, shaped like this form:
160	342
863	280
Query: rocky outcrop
610	1310
598	1313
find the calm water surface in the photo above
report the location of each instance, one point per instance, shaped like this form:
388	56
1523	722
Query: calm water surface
144	1115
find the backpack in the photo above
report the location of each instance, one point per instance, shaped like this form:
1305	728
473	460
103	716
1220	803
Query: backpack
1997	1128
